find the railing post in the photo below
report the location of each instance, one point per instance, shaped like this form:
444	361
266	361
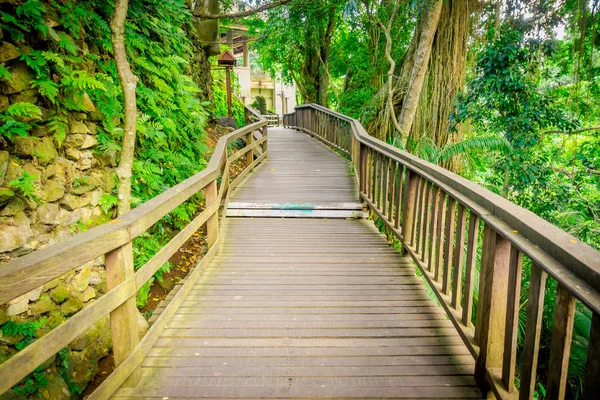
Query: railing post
591	386
250	153
123	320
264	133
491	308
212	225
408	209
356	157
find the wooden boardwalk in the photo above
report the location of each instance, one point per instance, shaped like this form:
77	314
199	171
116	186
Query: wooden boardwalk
306	307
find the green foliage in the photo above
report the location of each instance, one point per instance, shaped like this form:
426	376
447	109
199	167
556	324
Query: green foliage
16	119
31	385
260	104
26	329
25	186
63	370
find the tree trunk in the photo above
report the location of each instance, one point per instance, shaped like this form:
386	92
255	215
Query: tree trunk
324	60
128	82
444	78
419	69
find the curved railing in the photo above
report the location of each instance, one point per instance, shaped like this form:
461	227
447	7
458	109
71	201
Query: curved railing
114	240
437	216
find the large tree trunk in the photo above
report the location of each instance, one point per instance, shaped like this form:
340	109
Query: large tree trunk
313	76
128	82
444	78
419	69
205	38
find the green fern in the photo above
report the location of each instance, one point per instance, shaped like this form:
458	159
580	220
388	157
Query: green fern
83	81
4	73
59	128
25	186
24	110
47	88
108	202
66	43
54	57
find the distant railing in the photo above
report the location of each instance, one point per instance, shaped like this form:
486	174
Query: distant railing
436	215
114	240
273	119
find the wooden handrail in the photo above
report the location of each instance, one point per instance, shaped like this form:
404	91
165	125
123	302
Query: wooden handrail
436	215
114	240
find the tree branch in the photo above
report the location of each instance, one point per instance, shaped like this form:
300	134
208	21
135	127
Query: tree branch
243	14
128	82
575	132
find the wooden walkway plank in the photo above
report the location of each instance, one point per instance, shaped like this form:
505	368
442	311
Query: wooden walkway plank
306	308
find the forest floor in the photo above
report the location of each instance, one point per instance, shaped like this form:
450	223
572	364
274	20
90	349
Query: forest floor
182	262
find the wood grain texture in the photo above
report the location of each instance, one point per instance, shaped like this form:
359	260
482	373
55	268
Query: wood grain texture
301	317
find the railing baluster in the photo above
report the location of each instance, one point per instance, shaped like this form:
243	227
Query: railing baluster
449	245
512	320
212	225
472	241
491	308
422	221
250	153
399	194
435	213
591	386
393	168
427	222
459	252
439	247
380	170
123	320
533	331
408	212
386	188
417	221
375	170
562	332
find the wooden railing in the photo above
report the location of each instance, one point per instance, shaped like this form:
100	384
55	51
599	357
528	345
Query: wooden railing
114	240
437	216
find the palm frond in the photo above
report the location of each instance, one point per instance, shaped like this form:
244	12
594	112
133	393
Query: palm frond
480	142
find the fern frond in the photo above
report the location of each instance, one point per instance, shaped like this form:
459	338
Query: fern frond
481	142
47	88
24	110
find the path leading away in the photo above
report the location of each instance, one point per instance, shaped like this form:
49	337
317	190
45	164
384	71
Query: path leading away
306	307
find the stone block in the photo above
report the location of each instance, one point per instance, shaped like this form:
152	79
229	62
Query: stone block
88	294
24	147
5	195
59	294
34	295
56	388
12	237
70	202
79	127
43	306
45	152
17	306
20	80
14	206
71	306
89	141
48	214
8	52
54	190
81	281
4	161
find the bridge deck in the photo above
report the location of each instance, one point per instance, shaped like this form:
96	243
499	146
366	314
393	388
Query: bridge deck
306	308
